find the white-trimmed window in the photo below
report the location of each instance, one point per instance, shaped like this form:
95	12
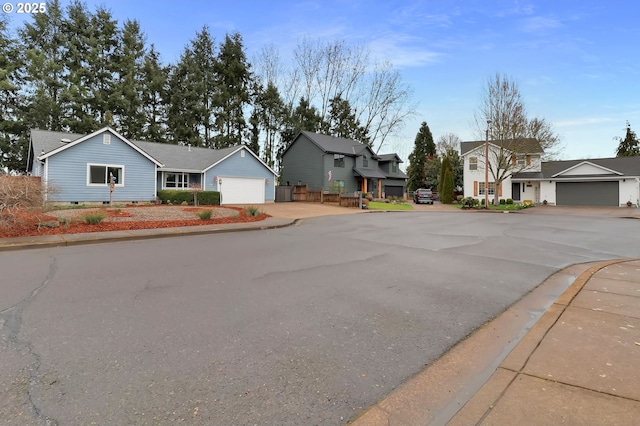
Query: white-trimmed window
492	188
473	163
521	160
176	180
101	174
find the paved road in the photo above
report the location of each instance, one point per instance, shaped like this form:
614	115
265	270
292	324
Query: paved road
303	325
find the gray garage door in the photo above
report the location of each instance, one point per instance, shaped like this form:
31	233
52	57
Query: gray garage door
393	191
587	194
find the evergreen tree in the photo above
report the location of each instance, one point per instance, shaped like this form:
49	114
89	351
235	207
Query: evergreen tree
629	146
424	148
154	91
77	30
342	122
43	45
303	117
445	187
234	78
129	88
102	66
13	148
270	111
446	194
192	89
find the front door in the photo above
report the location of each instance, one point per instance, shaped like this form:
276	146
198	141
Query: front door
515	191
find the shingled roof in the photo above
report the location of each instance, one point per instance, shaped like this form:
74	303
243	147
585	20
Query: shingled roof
521	146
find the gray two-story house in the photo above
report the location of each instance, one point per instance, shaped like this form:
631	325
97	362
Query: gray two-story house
337	164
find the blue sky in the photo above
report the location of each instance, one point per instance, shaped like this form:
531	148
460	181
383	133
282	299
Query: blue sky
577	62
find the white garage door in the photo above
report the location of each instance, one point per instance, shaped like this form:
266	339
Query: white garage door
242	191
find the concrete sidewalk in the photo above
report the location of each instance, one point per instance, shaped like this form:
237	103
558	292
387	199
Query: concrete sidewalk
578	365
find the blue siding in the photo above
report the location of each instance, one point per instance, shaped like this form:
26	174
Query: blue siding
303	162
242	167
67	172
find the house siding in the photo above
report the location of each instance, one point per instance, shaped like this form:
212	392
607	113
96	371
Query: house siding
341	173
242	167
303	162
67	172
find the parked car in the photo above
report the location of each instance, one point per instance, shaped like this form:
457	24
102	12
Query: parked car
423	196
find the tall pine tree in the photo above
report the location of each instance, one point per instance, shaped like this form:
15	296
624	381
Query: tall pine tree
129	88
13	149
234	78
423	150
44	47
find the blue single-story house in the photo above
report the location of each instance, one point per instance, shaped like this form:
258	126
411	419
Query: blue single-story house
78	168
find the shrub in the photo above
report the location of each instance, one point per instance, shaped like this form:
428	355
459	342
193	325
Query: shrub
205	198
503	202
19	193
469	202
205	214
459	198
509	201
93	218
252	211
365	201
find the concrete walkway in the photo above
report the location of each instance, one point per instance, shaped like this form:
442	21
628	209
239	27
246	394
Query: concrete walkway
578	365
574	362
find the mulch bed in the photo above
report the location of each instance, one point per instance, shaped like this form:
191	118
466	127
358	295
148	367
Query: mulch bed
38	223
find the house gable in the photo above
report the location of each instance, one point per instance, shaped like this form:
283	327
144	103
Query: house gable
587	168
68	170
106	134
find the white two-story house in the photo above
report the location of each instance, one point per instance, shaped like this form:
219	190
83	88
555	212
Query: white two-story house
589	182
517	162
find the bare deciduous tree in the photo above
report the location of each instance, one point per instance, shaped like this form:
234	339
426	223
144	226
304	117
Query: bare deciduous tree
322	72
503	115
447	143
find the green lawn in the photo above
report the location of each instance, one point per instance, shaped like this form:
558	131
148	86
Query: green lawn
378	205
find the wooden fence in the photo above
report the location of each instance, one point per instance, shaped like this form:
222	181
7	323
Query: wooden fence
303	193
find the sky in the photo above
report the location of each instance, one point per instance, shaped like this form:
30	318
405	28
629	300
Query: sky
576	62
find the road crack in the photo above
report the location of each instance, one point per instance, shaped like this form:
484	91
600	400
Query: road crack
10	326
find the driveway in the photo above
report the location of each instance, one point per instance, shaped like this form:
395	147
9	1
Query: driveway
304	210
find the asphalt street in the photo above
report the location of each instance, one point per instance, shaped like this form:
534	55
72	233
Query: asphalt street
308	324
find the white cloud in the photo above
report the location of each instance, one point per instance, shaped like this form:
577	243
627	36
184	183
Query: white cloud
403	51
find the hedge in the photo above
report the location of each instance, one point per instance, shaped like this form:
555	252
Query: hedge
205	198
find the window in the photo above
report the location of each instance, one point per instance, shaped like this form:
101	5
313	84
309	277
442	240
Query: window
394	167
492	188
176	180
106	139
473	163
521	160
338	160
365	161
100	174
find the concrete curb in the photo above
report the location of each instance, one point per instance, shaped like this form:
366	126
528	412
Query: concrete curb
9	244
459	386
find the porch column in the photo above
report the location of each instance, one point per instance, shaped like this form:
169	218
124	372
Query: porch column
379	188
364	185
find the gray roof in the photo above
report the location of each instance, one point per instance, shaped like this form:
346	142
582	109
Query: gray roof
522	146
183	158
627	166
369	173
46	141
336	145
173	157
389	157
